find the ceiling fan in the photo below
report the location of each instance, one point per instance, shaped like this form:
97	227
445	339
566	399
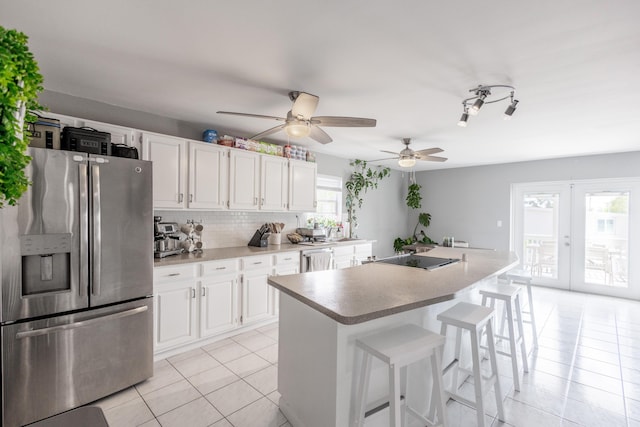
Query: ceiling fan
407	157
300	123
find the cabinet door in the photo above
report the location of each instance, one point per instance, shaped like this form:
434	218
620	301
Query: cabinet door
119	134
362	252
175	314
218	304
169	157
244	175
343	256
281	270
208	176
274	180
302	186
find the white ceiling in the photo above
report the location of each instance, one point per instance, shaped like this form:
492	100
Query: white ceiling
408	64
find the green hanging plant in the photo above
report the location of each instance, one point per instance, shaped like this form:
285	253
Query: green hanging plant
20	84
361	180
414	199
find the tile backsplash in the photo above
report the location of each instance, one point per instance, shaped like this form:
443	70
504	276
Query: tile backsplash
231	228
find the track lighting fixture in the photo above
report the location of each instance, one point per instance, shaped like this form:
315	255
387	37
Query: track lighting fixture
483	95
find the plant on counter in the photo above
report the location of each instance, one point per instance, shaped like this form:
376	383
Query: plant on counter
414	201
362	179
20	83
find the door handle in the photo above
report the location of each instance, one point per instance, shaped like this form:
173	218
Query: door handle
75	325
204	291
190	198
180	198
83	188
96	259
193	292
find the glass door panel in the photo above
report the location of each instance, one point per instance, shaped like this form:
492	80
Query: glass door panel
605	237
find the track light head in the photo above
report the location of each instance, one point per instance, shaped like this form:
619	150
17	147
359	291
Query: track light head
478	104
463	119
510	109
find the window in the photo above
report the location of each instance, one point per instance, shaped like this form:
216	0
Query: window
329	196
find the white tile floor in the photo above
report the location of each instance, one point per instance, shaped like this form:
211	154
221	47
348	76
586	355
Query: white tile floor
586	372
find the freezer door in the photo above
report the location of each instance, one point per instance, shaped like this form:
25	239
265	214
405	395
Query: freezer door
56	364
121	236
44	238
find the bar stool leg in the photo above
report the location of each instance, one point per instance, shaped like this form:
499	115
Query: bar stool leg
494	367
512	346
477	375
533	316
523	346
363	386
394	396
438	389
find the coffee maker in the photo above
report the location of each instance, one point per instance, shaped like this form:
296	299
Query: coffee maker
165	238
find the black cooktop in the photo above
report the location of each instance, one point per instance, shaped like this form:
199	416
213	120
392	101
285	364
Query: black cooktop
418	261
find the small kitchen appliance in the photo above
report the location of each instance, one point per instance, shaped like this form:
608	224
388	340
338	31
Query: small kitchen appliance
166	239
416	261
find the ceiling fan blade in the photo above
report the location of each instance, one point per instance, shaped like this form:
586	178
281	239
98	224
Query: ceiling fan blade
268	132
390	152
319	135
433	158
386	158
258	116
305	105
347	122
429	151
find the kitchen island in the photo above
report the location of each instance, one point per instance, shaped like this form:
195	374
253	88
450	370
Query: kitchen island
323	313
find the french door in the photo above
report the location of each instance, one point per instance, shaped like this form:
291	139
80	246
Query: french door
579	235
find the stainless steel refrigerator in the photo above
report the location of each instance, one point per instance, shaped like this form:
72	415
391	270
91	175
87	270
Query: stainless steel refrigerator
77	280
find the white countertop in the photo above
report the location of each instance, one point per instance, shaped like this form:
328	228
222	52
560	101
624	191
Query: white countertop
359	294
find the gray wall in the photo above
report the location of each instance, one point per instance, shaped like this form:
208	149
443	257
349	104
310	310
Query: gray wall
466	203
382	218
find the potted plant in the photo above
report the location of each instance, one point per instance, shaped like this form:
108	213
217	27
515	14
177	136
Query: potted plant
362	179
414	201
20	83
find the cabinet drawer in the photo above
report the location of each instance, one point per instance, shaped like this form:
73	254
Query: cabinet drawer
219	267
256	262
179	272
339	251
363	251
286	258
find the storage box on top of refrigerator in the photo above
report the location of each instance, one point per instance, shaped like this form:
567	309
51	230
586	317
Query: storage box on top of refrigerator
76	271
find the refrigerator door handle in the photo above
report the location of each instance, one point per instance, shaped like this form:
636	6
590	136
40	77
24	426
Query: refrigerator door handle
83	203
75	325
96	259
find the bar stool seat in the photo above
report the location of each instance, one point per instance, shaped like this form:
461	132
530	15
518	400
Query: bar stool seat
523	277
474	319
510	296
400	347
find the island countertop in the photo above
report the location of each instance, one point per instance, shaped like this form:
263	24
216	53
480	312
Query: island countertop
370	291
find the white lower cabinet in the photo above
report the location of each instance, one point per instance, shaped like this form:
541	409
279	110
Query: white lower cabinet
351	255
175	309
283	263
255	289
218	297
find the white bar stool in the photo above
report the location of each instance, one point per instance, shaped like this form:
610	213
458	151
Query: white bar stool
509	295
523	277
473	318
400	347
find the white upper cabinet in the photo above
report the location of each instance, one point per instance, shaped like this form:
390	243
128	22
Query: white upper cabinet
244	189
208	176
169	157
274	183
119	134
302	186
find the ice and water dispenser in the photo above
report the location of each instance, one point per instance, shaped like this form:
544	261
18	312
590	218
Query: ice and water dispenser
46	263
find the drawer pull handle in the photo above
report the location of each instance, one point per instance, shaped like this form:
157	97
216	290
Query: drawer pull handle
288	259
257	262
221	268
173	274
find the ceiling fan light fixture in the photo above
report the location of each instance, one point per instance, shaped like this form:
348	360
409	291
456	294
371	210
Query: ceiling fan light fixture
406	161
298	129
